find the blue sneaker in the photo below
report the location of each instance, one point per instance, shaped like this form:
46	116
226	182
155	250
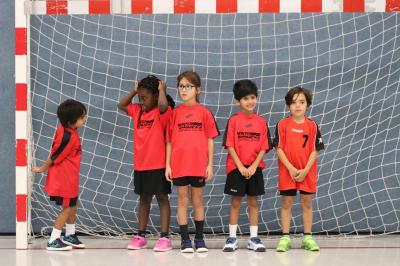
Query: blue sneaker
72	240
186	246
57	245
231	244
200	245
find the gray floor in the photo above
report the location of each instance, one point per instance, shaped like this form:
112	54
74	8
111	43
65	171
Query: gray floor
377	250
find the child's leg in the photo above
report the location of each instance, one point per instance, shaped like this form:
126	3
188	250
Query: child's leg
236	202
144	211
59	223
165	213
198	208
306	207
183	204
253	215
70	223
286	213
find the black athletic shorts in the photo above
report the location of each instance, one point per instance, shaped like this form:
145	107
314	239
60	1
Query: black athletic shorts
66	202
151	182
238	185
293	192
194	181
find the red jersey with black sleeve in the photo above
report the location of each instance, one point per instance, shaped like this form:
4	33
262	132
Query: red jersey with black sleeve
188	132
297	142
148	137
63	175
248	135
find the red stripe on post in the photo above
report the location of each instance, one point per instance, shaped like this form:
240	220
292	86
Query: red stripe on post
353	5
21	207
226	6
21	97
56	7
20	152
268	6
20	41
99	7
184	6
311	5
141	6
392	5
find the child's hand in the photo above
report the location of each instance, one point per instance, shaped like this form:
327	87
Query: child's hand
162	86
40	169
300	177
168	173
136	85
209	172
294	173
243	171
251	171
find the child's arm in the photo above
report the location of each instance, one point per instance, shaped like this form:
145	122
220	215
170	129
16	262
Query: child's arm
282	157
243	170
209	169
44	166
304	172
253	167
168	170
127	99
162	97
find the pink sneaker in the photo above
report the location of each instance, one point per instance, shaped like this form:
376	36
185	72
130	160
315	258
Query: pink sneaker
163	244
137	242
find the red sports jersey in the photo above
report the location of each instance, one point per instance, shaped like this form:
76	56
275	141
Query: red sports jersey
297	142
148	137
248	135
63	175
188	131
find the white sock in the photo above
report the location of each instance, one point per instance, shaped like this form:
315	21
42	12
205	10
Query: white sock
253	231
232	230
69	229
55	234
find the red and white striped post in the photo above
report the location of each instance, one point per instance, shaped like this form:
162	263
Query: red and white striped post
52	7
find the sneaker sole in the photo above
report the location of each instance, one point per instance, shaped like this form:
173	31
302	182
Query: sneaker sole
136	248
201	250
73	245
162	249
309	249
229	249
187	250
281	250
59	249
257	250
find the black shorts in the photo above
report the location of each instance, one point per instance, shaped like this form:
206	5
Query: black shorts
293	192
151	182
194	181
66	202
238	185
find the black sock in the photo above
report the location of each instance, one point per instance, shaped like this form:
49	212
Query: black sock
307	234
184	231
199	229
164	234
142	233
285	234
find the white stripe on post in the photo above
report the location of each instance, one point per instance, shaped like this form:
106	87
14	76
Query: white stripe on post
20	18
126	6
78	7
375	6
332	5
20	180
247	6
205	6
290	6
20	69
21	241
163	6
38	7
20	125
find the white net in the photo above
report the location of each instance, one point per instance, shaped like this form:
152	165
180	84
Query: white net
351	62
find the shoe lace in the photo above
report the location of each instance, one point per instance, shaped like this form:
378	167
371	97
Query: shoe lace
230	240
256	240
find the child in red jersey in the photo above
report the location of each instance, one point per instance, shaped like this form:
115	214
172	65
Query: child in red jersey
297	141
189	161
62	182
247	140
150	119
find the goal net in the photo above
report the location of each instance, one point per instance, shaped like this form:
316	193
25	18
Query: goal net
350	61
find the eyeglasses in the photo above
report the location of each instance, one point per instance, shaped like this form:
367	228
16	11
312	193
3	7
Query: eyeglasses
186	87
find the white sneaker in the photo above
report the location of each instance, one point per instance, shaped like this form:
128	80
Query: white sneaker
231	244
255	244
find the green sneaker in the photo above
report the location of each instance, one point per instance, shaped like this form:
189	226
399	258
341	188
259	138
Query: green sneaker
284	244
308	243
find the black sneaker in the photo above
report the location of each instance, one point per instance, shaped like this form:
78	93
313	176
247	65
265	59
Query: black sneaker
186	246
200	245
57	245
72	240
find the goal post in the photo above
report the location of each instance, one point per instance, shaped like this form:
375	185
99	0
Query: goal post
94	50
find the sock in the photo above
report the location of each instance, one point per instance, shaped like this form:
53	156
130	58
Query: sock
199	229
184	231
232	230
55	234
142	233
69	229
307	234
253	231
164	234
